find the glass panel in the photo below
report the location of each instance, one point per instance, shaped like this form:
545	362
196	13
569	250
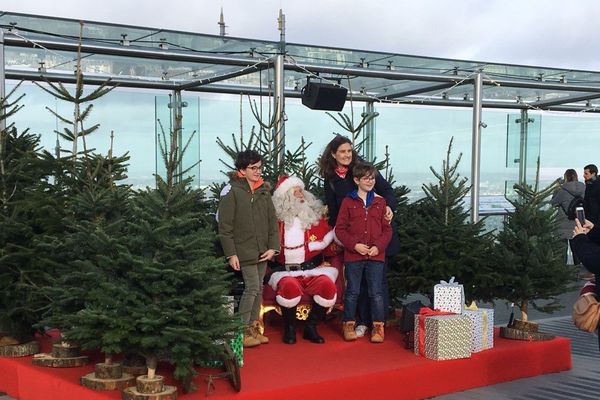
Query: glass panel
165	109
523	141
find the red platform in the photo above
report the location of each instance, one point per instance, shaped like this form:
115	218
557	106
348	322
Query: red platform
334	370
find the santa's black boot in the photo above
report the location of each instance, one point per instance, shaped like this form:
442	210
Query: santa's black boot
289	324
316	314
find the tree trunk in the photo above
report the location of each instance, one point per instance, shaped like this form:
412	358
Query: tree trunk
151	362
524	310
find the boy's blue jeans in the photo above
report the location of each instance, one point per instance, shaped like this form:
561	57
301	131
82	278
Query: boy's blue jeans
373	272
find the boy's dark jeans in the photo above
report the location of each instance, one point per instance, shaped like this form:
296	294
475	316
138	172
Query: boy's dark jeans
373	272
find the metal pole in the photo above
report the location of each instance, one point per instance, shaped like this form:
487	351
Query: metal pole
369	133
279	132
523	147
2	83
476	148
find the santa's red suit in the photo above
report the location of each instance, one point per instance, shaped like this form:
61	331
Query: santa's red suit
297	247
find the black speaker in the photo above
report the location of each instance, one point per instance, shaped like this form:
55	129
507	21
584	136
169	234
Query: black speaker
324	96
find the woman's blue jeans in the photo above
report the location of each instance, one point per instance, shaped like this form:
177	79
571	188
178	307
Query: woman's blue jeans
373	272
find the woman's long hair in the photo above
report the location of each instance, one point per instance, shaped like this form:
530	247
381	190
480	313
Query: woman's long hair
570	175
327	163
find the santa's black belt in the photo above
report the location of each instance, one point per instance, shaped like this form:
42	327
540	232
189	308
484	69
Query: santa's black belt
306	265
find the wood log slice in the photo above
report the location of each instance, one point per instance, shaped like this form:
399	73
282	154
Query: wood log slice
510	333
147	385
20	350
47	360
65	351
526	326
130	393
93	382
108	371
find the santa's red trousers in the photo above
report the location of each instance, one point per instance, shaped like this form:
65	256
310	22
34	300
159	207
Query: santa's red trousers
291	289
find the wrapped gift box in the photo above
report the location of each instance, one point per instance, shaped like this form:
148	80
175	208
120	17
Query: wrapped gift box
445	337
482	328
449	296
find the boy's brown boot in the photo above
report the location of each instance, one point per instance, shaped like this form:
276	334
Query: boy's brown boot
249	339
377	333
348	330
257	328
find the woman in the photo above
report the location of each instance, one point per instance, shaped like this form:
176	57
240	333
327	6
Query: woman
335	165
562	198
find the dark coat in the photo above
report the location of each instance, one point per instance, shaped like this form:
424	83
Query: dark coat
591	202
247	222
587	249
337	188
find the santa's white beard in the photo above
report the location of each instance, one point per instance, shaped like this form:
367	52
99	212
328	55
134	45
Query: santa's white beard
309	211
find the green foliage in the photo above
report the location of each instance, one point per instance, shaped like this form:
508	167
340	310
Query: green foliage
439	242
178	283
24	216
75	128
529	255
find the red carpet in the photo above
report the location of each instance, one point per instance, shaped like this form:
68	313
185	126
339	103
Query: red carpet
335	370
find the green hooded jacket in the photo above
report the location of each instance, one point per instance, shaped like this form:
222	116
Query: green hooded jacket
247	222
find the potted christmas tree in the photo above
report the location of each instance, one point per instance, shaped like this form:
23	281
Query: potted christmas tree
440	242
530	259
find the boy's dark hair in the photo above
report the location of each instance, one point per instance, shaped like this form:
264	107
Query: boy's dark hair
592	168
245	158
362	169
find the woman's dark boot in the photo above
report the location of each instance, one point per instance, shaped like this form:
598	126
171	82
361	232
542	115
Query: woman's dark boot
289	324
316	314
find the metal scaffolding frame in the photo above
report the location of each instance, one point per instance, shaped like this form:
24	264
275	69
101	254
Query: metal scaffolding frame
482	86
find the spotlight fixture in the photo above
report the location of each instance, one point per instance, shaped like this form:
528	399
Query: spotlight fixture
124	41
163	44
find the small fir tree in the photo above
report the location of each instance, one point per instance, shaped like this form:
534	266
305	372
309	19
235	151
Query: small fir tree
529	254
178	284
439	242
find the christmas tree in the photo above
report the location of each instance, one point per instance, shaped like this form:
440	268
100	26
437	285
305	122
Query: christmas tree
529	255
24	217
178	285
439	242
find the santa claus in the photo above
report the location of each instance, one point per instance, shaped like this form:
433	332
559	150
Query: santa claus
299	267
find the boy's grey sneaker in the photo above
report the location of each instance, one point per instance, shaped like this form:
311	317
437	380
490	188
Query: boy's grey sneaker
360	330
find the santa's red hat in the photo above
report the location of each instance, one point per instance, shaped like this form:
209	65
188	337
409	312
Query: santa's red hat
285	183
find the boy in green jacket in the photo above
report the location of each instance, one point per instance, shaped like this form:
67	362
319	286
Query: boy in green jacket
249	234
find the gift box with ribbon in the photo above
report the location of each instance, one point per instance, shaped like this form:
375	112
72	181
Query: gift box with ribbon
449	296
482	327
442	335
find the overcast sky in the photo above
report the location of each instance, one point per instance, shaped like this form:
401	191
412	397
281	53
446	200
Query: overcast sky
551	33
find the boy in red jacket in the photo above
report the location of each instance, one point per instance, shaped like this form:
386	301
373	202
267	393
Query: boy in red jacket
365	233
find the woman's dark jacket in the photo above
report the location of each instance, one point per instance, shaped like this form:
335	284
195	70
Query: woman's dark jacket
336	188
587	248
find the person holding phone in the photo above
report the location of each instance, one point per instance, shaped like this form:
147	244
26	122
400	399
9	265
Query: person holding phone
586	244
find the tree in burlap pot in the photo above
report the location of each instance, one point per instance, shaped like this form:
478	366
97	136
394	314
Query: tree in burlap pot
529	256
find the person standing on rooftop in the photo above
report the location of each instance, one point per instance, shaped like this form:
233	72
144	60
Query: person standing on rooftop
591	201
